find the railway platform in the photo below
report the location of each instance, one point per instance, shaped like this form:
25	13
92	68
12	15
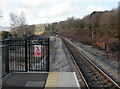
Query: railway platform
40	80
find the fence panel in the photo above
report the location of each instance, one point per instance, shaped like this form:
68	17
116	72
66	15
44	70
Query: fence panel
19	54
39	54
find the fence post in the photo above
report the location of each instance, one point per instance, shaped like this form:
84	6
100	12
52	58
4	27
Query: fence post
7	55
48	66
29	52
26	60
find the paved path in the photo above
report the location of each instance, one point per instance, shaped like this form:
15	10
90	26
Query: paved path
59	61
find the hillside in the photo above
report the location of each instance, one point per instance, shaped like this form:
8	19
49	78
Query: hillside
100	29
40	28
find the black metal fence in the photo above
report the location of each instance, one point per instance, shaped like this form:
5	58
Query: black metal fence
19	54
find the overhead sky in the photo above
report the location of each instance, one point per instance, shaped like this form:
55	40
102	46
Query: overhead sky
48	11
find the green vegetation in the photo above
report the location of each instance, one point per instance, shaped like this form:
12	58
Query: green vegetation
5	34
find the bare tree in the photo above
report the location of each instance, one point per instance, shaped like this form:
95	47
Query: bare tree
18	23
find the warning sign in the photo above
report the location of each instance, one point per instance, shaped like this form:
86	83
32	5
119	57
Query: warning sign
37	50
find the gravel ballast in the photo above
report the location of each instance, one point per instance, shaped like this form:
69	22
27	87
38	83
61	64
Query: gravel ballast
109	66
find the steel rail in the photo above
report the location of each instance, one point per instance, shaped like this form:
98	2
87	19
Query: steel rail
109	80
78	72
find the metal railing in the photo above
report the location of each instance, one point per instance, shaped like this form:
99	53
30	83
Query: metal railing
18	54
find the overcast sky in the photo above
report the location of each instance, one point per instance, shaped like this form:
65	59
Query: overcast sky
48	11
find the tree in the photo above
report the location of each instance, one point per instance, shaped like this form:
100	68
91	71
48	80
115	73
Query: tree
87	22
5	34
18	23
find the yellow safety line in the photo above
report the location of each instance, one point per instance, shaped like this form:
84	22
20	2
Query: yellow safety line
52	80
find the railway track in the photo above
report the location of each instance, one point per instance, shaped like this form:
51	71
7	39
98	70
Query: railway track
92	76
80	77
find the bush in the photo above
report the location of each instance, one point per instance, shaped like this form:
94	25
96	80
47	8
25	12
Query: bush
5	34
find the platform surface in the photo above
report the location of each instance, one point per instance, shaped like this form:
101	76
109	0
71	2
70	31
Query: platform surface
25	80
51	80
62	79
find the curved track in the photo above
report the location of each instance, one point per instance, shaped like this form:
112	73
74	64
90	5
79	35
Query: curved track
93	76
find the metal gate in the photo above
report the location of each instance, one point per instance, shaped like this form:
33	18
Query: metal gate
29	54
38	54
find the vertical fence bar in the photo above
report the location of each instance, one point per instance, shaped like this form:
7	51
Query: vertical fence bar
48	66
26	60
42	64
29	52
41	55
7	55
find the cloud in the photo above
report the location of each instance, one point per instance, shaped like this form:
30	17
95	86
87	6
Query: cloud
60	9
57	10
5	20
43	13
96	8
53	10
3	1
93	0
27	11
35	3
2	8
